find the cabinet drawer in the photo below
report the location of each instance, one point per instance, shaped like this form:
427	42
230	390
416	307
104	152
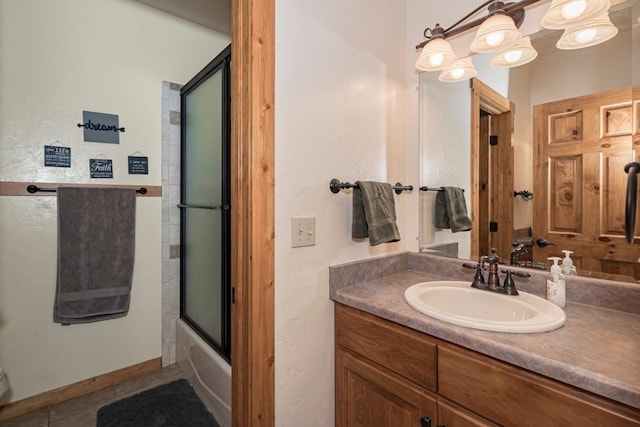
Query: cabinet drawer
404	351
452	415
512	397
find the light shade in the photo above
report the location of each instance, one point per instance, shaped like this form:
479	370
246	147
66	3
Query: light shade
462	69
569	13
435	55
495	33
518	53
588	34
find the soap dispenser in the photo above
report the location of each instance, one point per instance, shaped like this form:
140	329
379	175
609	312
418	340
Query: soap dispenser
556	292
567	263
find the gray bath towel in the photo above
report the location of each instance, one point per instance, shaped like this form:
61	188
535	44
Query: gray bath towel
96	241
374	213
451	210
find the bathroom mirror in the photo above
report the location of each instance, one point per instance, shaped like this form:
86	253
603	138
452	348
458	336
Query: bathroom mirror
447	152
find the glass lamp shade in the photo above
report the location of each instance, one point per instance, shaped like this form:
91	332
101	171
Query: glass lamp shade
435	55
462	69
495	33
569	13
588	34
518	53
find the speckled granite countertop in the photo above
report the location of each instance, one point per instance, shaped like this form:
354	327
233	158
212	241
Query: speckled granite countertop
598	349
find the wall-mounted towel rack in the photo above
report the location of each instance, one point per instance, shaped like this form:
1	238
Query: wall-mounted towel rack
335	186
425	188
12	188
34	189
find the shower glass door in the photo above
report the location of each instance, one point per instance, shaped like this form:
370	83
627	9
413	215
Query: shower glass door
205	211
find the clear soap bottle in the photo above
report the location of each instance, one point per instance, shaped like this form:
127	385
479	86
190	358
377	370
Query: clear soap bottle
556	290
567	263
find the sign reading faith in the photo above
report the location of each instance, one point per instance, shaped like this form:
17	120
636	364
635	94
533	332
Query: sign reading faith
101	127
101	168
59	157
138	165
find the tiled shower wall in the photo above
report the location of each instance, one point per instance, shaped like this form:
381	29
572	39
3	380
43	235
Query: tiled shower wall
170	219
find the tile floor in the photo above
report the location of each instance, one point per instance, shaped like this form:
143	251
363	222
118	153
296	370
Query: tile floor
81	411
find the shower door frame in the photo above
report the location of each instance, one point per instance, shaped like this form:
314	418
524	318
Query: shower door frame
221	63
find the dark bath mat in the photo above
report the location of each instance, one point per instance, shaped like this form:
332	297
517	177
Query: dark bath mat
171	405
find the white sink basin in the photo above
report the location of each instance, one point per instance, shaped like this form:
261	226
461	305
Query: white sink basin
458	303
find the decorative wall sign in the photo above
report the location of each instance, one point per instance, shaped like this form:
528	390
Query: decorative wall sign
138	165
100	127
101	168
56	156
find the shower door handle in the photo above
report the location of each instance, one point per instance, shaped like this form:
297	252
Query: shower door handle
222	207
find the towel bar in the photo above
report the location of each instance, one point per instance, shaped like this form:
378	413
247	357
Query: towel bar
335	186
34	189
425	188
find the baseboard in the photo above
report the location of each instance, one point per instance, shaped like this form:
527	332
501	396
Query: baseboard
42	400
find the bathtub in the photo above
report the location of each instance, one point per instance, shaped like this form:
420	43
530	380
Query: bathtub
209	373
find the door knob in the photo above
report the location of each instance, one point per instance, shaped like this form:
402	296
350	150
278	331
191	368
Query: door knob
542	243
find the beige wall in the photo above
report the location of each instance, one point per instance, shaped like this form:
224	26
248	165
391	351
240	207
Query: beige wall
57	59
340	113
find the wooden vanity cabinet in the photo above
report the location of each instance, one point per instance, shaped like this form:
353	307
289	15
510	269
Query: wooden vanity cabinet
388	375
368	396
374	358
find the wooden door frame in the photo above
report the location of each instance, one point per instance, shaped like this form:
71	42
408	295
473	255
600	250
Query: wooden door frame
485	98
253	222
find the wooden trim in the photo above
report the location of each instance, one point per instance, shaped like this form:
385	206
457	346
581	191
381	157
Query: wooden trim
482	96
12	188
252	199
80	388
492	101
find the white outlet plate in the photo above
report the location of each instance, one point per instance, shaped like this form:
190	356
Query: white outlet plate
303	232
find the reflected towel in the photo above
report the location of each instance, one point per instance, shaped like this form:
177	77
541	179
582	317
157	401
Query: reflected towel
451	210
374	213
96	242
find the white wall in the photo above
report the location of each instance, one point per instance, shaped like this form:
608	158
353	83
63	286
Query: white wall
59	58
340	113
444	123
445	153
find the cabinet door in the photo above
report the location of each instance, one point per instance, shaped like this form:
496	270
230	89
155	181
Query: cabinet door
450	415
367	396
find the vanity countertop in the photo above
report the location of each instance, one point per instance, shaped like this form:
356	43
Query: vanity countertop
597	349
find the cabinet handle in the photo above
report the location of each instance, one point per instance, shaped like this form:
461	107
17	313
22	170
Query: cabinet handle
425	421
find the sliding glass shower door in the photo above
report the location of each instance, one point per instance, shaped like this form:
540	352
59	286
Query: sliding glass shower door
205	203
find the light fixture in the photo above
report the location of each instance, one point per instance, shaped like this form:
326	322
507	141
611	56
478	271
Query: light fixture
586	23
514	55
496	32
462	69
564	14
437	53
590	33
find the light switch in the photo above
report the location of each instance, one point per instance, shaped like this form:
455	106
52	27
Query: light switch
303	232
